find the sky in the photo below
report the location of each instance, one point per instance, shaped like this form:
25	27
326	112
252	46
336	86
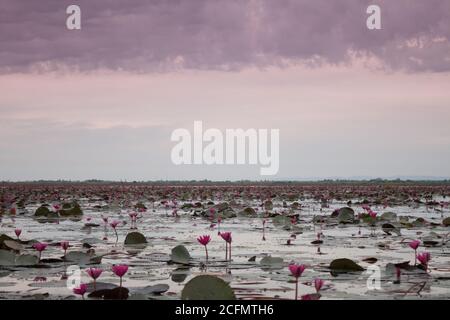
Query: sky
102	102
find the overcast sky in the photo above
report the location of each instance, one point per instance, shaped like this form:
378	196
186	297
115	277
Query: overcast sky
102	102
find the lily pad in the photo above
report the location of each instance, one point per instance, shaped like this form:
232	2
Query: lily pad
82	258
135	238
389	216
345	264
180	255
346	215
7	258
13	245
179	275
153	290
446	222
118	293
207	287
271	261
390	228
26	260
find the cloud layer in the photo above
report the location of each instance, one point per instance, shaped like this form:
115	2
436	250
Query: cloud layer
161	35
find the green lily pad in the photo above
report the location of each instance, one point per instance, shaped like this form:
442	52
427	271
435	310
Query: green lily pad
180	255
345	264
7	258
390	228
26	260
135	238
179	275
248	212
389	216
13	245
346	215
281	221
207	287
446	222
271	261
82	258
71	209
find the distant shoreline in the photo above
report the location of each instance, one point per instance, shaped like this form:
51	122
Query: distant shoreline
237	182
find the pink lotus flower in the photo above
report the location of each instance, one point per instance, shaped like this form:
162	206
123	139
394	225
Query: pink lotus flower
424	258
318	283
120	270
18	232
296	270
81	290
39	246
64	246
56	207
204	240
114	224
414	244
372	214
94	273
227	237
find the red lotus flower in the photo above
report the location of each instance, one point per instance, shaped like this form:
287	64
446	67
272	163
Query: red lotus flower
119	270
296	270
226	236
204	240
424	258
414	244
114	224
64	246
40	246
18	232
318	283
81	290
94	273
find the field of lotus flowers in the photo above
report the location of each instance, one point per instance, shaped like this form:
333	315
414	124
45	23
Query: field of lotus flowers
328	240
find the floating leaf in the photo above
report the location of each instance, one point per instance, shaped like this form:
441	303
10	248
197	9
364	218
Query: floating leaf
13	245
82	258
135	238
180	274
389	216
7	258
271	263
345	264
71	209
207	287
180	255
153	290
118	293
346	215
248	212
446	222
281	221
26	260
389	228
